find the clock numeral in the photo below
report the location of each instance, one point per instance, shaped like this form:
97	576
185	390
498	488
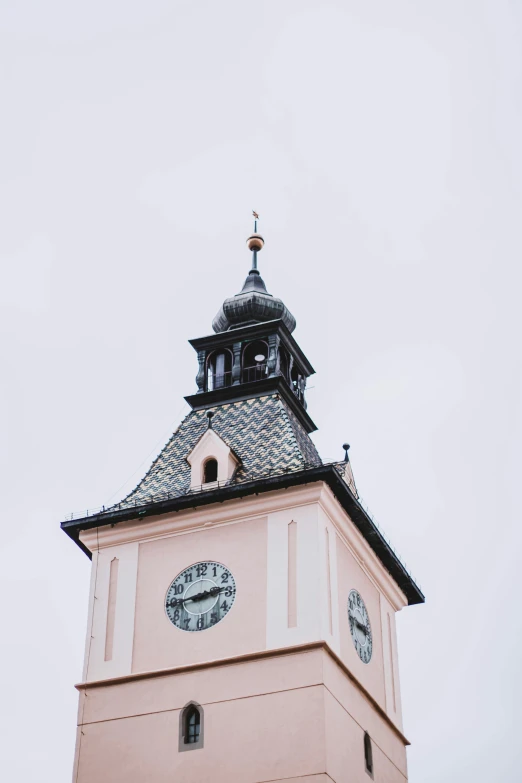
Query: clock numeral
213	618
229	591
224	606
177	589
214	571
201	569
200	623
188	577
224	577
186	622
176	615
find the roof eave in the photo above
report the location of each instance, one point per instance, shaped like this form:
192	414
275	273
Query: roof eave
326	473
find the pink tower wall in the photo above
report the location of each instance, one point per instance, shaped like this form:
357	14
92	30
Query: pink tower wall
266	719
242	548
279	701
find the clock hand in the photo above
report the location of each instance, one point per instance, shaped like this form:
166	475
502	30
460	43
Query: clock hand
204	594
198	597
359	625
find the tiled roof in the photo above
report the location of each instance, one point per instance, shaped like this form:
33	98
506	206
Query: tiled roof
263	433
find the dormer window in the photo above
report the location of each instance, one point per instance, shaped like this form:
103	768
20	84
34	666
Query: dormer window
219	370
211	460
255	357
210	471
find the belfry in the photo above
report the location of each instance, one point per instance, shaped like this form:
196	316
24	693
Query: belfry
241	620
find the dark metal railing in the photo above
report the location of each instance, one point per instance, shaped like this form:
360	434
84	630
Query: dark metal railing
255	373
219	380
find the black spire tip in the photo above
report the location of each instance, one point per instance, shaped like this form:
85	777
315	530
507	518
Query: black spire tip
346	446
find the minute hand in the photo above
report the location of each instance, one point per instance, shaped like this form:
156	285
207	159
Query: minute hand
204	594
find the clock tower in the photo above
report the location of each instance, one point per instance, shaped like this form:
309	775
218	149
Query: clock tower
241	623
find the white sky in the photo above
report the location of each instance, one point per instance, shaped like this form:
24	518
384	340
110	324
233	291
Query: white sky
380	142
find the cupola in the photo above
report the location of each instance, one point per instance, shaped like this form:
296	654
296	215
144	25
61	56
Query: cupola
253	304
252	351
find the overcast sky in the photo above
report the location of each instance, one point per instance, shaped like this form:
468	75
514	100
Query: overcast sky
380	143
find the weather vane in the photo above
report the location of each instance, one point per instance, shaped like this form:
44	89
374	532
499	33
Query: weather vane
256	218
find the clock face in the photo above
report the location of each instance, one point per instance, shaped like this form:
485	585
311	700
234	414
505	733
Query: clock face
200	596
360	627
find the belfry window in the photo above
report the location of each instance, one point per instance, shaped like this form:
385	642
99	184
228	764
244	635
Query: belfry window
210	471
219	370
368	755
191	727
255	357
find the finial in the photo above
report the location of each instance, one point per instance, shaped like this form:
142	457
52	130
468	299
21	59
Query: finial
209	416
346	446
255	242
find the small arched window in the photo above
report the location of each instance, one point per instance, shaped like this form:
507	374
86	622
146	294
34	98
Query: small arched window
368	755
191	727
210	471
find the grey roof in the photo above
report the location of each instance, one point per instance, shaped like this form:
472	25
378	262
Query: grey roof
262	432
252	305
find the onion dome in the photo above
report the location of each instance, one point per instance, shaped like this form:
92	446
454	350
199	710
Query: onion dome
253	304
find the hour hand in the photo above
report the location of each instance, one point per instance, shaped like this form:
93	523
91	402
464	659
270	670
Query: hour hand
359	625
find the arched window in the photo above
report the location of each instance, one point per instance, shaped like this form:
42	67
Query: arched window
191	727
255	357
192	724
219	370
210	471
368	755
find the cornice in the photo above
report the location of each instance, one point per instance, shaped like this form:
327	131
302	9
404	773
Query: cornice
199	517
244	658
247	391
252	332
235	511
234	495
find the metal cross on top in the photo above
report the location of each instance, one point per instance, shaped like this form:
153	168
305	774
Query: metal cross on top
256	218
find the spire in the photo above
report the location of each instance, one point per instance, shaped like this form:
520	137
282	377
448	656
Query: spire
253	304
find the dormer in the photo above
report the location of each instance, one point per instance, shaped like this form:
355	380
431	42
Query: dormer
212	462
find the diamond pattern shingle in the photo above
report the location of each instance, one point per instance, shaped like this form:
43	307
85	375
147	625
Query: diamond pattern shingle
263	433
